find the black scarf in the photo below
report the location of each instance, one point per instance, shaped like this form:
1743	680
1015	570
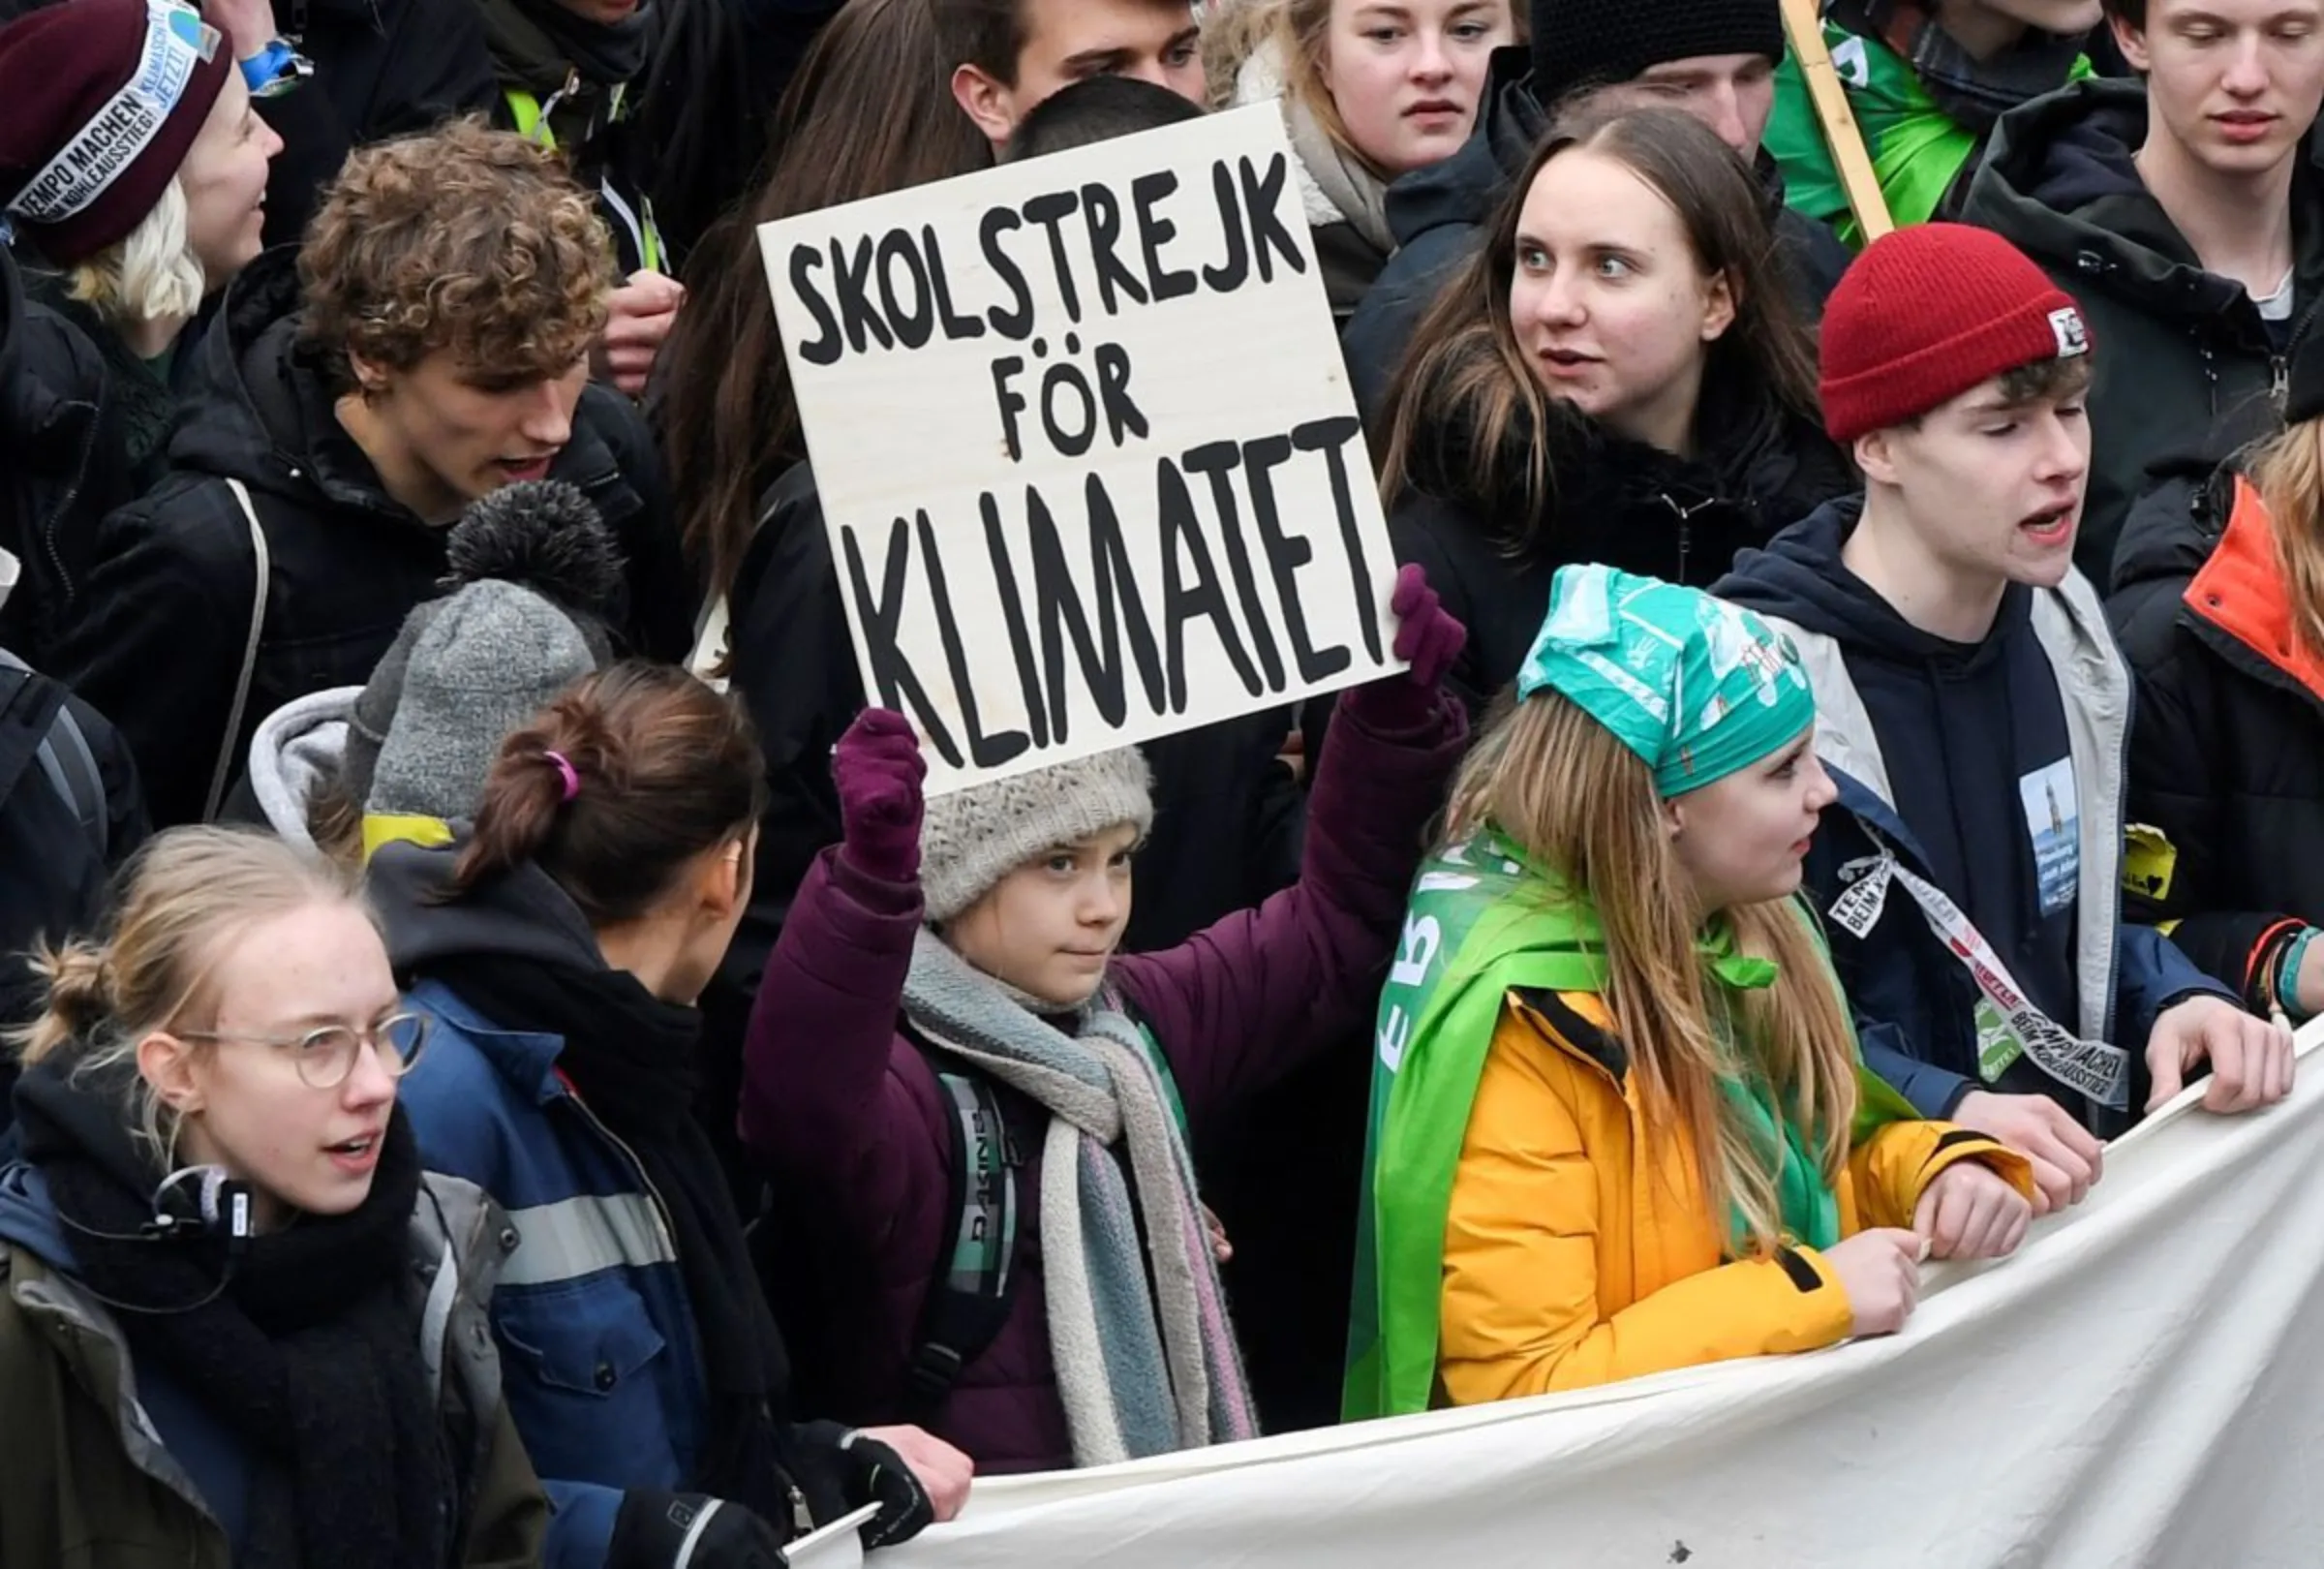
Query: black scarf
1973	93
310	1355
535	41
630	1058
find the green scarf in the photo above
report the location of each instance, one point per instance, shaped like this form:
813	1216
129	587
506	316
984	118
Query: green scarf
1481	923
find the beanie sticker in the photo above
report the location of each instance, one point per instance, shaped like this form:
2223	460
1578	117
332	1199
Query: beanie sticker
2074	338
176	41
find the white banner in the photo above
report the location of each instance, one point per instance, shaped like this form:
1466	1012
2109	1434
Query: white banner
1086	445
2142	1385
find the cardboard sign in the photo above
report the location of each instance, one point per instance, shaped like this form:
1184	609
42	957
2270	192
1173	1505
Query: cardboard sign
1086	446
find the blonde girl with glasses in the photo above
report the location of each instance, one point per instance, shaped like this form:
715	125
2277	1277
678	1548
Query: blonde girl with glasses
237	1323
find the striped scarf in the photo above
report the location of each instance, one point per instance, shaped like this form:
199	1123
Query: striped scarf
1145	1356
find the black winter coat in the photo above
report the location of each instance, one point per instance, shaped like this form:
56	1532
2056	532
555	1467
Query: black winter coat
2182	364
62	464
1619	502
2227	752
159	639
382	68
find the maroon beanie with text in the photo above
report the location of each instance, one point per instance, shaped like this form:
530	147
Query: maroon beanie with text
99	101
1930	310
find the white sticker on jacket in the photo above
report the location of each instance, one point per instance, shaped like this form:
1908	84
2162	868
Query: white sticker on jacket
2054	824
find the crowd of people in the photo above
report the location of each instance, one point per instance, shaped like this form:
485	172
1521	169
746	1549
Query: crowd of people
506	1063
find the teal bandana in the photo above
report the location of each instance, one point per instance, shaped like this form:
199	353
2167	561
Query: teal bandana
1697	687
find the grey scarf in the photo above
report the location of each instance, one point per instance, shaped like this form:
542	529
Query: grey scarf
1145	1354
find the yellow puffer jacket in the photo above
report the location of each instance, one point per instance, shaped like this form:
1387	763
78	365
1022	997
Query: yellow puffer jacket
1580	1250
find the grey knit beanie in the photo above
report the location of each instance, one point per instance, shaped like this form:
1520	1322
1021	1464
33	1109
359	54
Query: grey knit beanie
542	534
489	659
971	839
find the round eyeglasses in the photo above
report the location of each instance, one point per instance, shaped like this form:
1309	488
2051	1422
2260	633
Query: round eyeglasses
326	1056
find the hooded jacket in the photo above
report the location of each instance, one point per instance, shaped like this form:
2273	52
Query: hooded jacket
2183	363
846	1114
2227	762
92	1481
63	462
1621	503
1436	215
602	1359
295	750
1995	772
163	633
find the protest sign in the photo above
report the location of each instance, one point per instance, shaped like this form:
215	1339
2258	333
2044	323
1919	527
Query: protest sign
1085	447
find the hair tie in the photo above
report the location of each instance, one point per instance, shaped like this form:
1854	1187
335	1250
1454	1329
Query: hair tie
565	767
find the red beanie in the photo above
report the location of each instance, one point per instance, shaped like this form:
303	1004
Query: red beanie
99	101
1928	311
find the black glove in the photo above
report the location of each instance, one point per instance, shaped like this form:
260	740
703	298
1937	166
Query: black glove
881	1478
858	1471
654	1528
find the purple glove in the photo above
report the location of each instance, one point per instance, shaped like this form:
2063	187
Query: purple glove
878	768
1430	639
1427	634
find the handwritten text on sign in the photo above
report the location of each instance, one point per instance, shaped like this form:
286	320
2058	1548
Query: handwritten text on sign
1085	447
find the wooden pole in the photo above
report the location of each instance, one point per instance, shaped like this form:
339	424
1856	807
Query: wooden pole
1803	24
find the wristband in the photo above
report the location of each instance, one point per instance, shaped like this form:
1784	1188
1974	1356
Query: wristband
2287	973
275	70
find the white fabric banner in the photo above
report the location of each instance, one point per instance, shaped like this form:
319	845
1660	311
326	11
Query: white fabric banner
2143	1384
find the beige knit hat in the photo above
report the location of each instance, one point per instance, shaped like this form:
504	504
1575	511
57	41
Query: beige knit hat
971	839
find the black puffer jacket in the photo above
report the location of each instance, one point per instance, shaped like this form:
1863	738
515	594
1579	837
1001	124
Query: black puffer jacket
158	640
1620	503
2183	364
2227	753
61	463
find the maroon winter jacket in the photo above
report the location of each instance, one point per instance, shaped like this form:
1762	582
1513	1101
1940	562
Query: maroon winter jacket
846	1120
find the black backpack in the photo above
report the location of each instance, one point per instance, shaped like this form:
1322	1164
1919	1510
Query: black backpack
37	728
968	1299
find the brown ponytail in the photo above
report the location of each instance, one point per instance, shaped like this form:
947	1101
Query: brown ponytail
662	768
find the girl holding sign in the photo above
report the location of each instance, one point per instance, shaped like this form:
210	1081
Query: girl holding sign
977	1116
1617	376
1619	1125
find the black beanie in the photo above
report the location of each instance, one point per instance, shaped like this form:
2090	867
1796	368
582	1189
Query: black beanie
1598	42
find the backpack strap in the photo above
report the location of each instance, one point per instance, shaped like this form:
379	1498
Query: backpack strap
223	772
63	752
967	1300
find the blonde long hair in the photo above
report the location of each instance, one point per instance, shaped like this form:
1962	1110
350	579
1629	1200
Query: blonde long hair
1576	800
2288	472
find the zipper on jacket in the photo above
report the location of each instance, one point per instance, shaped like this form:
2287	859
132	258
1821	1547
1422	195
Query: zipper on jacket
2280	366
664	1229
80	474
